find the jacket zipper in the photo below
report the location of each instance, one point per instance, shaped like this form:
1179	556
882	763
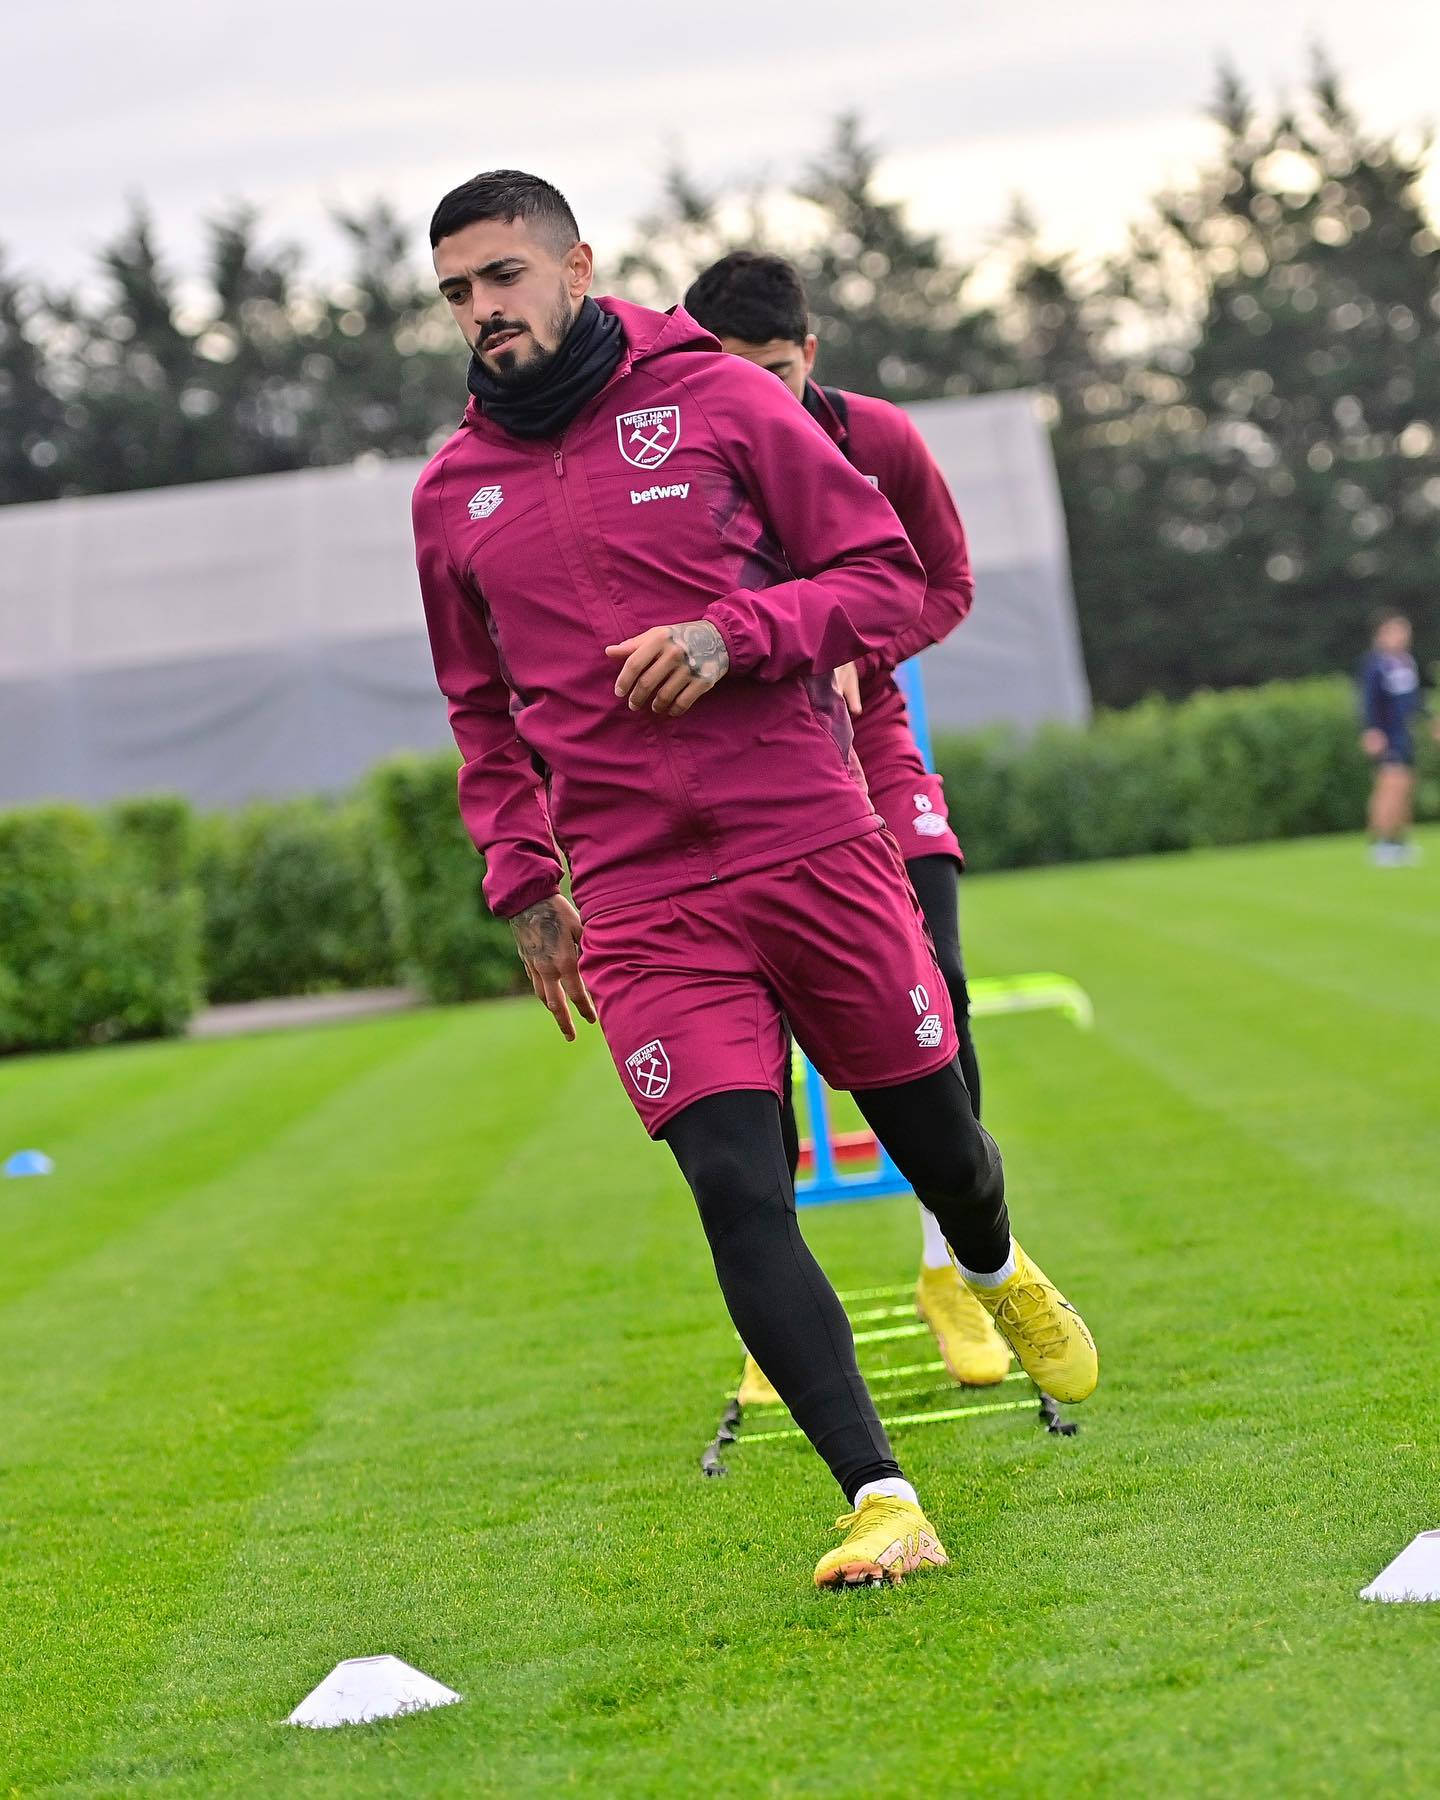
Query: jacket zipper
687	812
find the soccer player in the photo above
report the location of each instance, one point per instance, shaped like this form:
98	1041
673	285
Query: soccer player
755	305
1390	701
641	563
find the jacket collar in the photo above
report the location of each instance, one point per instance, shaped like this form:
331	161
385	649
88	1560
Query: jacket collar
647	333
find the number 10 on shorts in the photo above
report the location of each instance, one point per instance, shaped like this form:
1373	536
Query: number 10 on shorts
931	1029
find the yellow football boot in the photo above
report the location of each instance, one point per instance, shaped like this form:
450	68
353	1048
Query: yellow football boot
755	1386
885	1540
972	1349
1044	1330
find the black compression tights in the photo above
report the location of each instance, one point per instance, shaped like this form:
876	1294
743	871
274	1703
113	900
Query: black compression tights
936	883
730	1150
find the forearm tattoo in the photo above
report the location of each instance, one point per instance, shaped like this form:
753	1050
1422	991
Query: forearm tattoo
703	649
539	932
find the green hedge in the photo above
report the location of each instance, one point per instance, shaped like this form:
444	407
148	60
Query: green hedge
94	947
100	913
159	831
449	944
1219	768
292	900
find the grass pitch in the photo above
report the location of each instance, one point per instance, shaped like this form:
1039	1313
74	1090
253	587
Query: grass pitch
400	1337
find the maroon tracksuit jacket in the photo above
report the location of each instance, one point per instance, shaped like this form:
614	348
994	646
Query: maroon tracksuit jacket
692	486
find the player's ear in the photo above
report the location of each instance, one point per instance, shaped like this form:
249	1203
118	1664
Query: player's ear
808	349
579	270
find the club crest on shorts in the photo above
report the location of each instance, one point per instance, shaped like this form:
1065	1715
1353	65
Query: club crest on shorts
649	1069
647	437
484	501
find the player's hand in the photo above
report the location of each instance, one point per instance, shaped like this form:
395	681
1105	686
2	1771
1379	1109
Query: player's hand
669	667
1372	742
847	686
547	935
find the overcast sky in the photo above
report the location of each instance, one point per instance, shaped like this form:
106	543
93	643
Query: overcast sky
1084	106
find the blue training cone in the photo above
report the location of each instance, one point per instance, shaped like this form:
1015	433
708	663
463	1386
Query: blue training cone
29	1162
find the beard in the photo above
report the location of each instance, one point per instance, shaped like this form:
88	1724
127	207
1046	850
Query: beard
509	367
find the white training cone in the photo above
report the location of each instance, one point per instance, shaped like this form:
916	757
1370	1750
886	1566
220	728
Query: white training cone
363	1688
1414	1574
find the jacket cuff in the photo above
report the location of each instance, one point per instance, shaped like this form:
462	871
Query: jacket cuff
540	887
738	636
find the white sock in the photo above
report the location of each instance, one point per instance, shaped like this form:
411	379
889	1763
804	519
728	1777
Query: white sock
1003	1273
935	1252
892	1487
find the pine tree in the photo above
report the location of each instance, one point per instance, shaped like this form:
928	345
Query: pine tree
1297	481
245	384
251	371
387	366
886	300
1056	334
125	372
34	433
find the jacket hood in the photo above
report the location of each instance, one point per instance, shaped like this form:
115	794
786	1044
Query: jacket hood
647	333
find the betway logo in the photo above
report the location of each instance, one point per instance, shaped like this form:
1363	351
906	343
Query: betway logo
681	492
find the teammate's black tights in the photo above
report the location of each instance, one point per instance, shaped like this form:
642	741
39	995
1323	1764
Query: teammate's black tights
936	883
730	1150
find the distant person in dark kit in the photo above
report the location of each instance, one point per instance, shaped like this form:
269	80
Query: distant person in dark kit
1391	705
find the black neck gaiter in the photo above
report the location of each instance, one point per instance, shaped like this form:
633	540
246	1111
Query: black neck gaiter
580	368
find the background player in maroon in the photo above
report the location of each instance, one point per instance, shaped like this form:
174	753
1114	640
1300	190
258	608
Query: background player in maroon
641	564
755	305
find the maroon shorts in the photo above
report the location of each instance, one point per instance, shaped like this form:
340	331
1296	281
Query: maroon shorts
914	811
909	797
693	990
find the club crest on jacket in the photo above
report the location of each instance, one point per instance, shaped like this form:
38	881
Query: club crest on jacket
648	437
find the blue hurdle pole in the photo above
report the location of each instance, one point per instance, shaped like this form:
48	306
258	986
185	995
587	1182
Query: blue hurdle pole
826	1184
822	1150
913	688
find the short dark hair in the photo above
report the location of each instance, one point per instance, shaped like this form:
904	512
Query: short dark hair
751	296
507	194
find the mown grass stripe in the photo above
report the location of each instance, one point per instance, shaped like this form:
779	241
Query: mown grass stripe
490	1465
